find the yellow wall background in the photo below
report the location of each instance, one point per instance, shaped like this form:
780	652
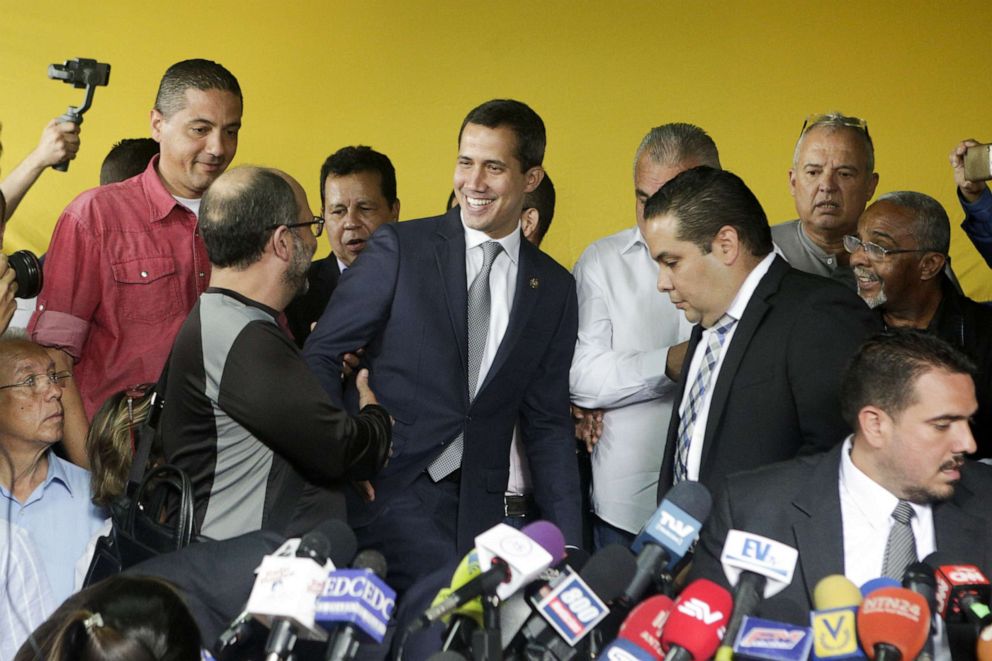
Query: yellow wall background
400	75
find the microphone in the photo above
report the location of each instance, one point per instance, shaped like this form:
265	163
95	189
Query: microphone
920	579
286	589
963	592
893	624
356	605
622	649
576	604
877	584
834	622
668	535
644	625
698	622
767	640
514	558
758	568
983	648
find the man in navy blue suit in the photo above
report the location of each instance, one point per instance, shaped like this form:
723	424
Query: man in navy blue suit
459	365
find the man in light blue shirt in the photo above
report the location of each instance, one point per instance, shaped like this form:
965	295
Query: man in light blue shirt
45	496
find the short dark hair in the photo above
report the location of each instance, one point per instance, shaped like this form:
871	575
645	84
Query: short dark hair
884	371
527	126
237	215
3	208
704	199
351	160
196	74
542	198
127	158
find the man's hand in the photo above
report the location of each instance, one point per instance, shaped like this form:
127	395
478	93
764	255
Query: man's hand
676	356
365	394
350	362
8	287
970	190
365	490
588	425
59	142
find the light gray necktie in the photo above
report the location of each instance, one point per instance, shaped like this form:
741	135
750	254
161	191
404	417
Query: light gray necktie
450	458
697	394
900	550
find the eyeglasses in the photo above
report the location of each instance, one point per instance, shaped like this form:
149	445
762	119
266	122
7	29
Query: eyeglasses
835	119
316	225
38	382
875	251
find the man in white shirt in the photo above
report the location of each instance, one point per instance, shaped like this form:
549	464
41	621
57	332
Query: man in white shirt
908	395
631	344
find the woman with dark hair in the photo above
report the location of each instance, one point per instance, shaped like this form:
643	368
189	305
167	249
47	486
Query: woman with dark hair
123	618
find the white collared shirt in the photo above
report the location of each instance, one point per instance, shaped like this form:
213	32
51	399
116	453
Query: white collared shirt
736	310
502	287
625	329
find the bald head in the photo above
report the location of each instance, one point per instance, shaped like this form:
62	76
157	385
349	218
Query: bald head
241	206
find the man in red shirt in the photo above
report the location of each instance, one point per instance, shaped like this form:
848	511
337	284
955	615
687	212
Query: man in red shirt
126	262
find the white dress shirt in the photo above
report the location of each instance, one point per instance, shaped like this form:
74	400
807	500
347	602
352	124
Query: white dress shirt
625	329
736	310
502	288
866	512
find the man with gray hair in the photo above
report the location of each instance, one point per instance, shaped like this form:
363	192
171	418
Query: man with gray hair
631	344
832	178
898	255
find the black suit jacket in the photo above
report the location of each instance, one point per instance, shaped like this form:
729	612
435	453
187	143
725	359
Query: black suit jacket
405	300
776	395
306	309
797	502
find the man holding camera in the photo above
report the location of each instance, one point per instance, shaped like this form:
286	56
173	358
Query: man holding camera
126	262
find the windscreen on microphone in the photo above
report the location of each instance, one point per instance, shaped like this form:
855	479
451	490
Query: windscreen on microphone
697	624
372	560
920	579
692	498
334	539
645	624
549	536
609	571
835	591
871	585
893	620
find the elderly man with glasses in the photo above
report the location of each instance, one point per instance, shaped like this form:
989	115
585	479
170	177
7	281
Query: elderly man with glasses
43	496
898	254
832	178
246	419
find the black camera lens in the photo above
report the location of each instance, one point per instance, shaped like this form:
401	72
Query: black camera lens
27	273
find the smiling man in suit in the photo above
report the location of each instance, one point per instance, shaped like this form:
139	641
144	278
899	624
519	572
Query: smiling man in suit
759	383
467	329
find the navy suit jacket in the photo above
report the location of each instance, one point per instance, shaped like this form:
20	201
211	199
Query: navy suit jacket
776	395
307	308
405	301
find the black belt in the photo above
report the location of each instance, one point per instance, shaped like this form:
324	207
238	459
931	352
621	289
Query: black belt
517	506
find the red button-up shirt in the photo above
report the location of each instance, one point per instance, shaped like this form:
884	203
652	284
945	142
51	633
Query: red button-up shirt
125	266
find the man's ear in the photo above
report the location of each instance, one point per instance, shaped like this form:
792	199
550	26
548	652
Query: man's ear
156	119
726	245
394	211
528	223
281	243
931	265
874	424
533	178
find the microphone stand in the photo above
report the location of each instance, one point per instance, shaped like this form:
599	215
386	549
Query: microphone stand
486	642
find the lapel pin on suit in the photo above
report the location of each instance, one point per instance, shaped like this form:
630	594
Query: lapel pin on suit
534	283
